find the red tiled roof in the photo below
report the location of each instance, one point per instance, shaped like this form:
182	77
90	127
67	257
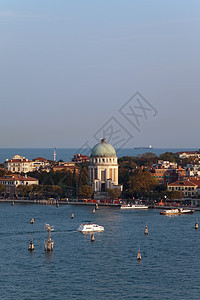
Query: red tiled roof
196	181
17	177
40	159
182	183
187	152
18	160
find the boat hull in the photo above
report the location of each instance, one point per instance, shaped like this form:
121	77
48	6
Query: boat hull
134	207
177	212
90	228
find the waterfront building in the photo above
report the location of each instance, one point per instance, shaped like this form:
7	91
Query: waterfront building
103	169
19	164
11	182
188	188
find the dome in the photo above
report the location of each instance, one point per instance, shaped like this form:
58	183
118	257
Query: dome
103	149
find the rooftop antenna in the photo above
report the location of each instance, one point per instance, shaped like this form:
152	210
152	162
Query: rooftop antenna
54	154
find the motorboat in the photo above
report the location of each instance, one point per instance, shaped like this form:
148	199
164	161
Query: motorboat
134	206
177	211
90	227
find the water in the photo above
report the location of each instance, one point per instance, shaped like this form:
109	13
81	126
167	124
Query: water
105	269
66	154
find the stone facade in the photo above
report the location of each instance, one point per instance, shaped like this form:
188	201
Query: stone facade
103	169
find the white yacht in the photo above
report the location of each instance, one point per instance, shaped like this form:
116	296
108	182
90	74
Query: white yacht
177	211
90	227
134	206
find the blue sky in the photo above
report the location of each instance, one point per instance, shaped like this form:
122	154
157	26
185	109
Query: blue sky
68	66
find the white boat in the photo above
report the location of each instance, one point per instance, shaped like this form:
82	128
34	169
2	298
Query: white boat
134	206
90	227
177	211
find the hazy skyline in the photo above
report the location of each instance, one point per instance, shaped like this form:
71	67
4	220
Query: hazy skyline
69	66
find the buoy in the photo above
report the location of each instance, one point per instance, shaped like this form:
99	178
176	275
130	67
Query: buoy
196	225
31	246
139	257
32	220
146	230
93	211
92	238
72	216
13	203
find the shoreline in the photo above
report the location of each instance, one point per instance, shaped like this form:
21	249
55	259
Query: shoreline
46	202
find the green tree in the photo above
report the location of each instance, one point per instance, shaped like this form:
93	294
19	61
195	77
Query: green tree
83	176
174	195
22	190
2	188
169	156
147	159
85	191
141	182
114	193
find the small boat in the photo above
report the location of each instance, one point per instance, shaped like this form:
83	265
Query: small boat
90	227
177	211
134	206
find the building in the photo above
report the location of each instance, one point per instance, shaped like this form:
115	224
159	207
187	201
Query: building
166	164
80	158
11	182
196	181
187	154
193	170
19	164
40	163
103	169
66	167
188	189
159	175
168	175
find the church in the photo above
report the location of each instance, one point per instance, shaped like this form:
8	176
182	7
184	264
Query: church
103	169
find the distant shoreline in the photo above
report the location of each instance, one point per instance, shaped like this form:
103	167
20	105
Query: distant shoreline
66	154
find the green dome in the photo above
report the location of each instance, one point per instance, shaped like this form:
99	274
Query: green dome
103	149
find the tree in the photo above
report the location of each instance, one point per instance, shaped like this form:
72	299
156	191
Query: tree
51	190
2	188
169	156
147	159
83	176
22	190
141	182
114	193
174	195
85	191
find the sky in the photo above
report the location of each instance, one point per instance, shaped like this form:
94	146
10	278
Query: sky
68	69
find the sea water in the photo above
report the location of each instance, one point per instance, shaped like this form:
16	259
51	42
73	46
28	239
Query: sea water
105	269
